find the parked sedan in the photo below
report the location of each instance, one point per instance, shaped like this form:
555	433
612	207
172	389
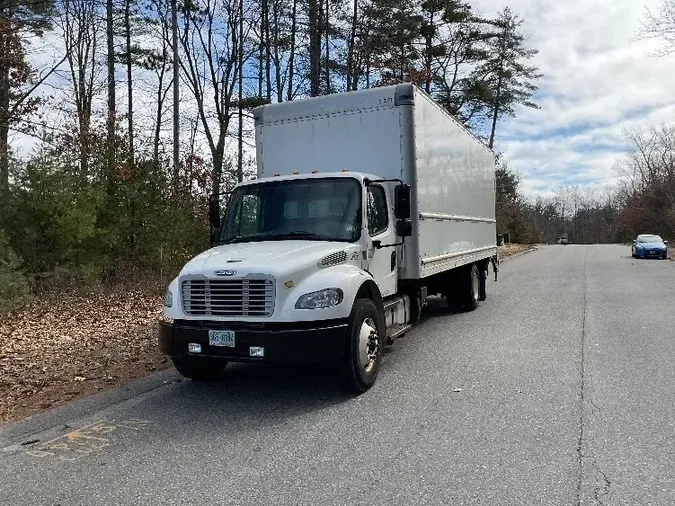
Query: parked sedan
649	246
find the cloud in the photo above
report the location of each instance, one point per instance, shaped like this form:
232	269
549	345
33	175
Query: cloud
599	81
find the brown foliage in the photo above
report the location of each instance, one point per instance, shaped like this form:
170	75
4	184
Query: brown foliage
60	348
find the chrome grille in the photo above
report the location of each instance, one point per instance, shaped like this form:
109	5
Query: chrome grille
228	297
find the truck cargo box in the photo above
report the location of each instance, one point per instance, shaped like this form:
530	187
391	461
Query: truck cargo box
394	132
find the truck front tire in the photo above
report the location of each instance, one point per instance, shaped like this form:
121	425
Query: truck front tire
361	362
199	368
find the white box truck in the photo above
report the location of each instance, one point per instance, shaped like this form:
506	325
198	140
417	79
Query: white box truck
365	203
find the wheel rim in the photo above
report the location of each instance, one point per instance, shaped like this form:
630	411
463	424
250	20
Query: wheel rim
369	344
474	284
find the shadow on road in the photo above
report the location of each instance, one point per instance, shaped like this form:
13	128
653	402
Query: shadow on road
248	397
253	396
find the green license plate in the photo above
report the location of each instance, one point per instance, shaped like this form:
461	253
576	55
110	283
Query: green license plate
221	338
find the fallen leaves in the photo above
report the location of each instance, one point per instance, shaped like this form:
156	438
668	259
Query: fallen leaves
95	341
511	249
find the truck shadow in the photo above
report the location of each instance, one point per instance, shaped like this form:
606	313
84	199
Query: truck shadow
249	397
253	397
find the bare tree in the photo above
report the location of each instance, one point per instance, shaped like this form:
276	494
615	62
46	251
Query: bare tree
210	62
112	102
661	25
81	29
291	58
19	80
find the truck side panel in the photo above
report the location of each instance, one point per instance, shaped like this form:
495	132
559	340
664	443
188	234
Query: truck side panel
455	190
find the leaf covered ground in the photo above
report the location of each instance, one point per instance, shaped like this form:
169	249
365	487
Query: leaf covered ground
508	250
56	349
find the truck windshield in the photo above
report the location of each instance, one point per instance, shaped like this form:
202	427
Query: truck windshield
307	209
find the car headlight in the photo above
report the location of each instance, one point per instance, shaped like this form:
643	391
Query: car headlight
328	297
168	299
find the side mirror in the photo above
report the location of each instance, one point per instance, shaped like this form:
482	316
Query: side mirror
665	242
404	227
402	202
214	218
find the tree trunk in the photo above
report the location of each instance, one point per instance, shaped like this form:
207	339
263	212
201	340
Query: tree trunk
350	48
4	133
277	58
261	55
291	58
327	41
130	83
495	112
428	55
111	90
268	52
314	47
160	104
176	98
240	95
218	156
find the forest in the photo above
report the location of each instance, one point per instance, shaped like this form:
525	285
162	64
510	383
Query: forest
119	118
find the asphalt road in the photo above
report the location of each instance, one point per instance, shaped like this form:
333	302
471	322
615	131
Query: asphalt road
558	390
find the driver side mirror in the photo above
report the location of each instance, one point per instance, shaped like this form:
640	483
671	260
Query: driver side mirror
665	242
214	218
404	227
402	202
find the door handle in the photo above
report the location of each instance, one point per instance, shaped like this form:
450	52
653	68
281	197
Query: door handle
393	260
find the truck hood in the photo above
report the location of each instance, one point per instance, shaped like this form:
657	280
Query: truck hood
268	257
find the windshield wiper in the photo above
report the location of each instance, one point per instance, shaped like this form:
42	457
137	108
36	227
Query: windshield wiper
272	236
237	238
299	234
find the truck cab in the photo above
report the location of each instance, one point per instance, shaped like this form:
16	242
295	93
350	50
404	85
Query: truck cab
290	258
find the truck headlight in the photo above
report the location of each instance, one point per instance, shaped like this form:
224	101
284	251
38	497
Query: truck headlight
168	299
328	297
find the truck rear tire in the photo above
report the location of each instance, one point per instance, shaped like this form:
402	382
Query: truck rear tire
482	289
199	368
361	362
472	289
464	289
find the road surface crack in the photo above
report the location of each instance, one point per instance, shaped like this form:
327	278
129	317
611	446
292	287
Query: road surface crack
602	490
582	388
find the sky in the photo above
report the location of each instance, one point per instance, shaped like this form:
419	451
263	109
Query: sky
599	81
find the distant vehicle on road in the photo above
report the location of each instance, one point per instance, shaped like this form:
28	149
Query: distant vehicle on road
649	246
563	239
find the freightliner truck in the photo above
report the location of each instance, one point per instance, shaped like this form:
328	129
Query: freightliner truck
365	203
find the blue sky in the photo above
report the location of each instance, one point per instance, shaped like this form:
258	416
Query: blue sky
600	80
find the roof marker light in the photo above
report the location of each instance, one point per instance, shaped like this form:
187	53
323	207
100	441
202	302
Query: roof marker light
345	169
276	174
295	172
315	171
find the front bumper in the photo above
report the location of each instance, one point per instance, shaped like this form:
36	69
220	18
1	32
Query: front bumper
650	253
283	343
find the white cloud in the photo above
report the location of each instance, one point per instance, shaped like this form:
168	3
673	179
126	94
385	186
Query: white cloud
599	81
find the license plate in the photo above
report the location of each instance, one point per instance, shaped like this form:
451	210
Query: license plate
221	338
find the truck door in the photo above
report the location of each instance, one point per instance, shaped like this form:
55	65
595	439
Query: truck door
382	261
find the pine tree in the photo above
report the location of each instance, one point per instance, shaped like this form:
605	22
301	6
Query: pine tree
509	77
